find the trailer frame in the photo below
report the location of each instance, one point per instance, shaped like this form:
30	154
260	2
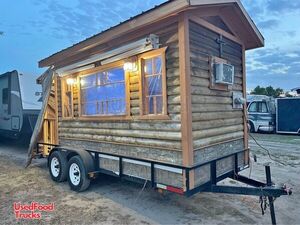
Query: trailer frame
257	188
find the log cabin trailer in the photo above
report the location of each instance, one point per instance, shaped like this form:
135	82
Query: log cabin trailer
159	97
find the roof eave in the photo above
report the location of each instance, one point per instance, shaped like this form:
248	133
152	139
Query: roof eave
146	18
42	77
259	42
141	20
260	39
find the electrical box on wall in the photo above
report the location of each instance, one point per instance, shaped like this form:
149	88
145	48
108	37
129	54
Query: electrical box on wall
224	73
238	100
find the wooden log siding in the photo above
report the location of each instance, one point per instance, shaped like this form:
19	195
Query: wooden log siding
214	120
134	82
75	101
145	134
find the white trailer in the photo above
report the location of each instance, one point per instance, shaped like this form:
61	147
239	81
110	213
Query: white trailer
17	118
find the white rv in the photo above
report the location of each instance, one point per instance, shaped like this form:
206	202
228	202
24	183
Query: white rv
17	118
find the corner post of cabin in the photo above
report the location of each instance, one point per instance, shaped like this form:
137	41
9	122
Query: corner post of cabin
56	108
186	102
246	146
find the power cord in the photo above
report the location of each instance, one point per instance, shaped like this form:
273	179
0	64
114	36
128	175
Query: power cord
273	158
140	192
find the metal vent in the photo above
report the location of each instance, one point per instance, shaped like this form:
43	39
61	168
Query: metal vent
224	73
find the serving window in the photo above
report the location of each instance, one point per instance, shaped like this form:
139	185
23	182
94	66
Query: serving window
103	93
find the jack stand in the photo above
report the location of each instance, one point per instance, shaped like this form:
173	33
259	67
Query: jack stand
271	199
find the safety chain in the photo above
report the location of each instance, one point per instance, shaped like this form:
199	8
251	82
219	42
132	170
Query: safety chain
263	204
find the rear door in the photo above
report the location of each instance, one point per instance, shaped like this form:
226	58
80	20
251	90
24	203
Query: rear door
288	115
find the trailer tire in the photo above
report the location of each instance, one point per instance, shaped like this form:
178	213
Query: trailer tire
77	175
58	166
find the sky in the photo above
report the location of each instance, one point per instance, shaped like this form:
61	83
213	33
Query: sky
35	29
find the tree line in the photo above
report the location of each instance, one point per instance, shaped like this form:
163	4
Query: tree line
269	91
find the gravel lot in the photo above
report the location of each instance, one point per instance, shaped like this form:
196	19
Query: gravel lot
109	201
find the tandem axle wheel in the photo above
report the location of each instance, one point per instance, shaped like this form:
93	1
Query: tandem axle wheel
62	168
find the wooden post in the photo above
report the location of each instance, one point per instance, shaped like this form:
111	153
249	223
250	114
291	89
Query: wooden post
56	109
245	109
185	93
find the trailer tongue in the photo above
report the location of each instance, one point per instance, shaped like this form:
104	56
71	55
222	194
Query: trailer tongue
263	190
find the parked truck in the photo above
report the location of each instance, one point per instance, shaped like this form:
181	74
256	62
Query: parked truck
261	113
267	114
17	118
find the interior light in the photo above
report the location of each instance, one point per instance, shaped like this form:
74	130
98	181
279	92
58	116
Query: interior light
70	81
82	82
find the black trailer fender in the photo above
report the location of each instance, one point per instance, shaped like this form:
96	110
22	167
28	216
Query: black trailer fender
87	158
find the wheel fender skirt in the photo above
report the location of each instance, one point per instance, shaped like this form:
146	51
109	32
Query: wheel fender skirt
87	158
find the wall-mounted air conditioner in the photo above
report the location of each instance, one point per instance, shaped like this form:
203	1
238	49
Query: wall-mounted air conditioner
224	73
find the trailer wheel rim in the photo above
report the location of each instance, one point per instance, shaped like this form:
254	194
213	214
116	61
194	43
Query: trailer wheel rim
55	167
74	174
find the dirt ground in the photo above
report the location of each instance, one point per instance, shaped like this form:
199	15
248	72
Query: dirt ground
110	201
